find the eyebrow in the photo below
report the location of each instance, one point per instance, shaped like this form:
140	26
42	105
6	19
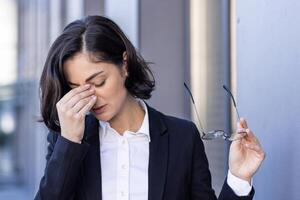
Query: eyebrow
88	79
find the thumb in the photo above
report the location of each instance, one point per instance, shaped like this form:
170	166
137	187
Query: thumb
243	123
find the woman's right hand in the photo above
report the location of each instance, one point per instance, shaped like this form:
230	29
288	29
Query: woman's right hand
72	108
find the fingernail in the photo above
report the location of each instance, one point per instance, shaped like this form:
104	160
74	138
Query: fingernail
87	85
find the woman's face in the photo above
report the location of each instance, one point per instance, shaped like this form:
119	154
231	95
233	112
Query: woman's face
107	79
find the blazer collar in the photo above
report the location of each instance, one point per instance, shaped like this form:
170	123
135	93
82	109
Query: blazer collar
158	156
156	125
91	131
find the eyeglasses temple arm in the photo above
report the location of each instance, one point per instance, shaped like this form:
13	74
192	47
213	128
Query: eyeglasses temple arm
232	98
197	114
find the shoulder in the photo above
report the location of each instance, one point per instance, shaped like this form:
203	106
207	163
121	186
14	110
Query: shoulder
178	127
178	123
183	134
181	129
52	136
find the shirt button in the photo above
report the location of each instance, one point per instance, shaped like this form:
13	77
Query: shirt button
123	142
123	166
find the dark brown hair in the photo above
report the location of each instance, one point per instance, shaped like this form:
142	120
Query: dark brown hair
104	41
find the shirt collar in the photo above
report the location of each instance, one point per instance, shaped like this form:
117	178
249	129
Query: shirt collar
144	129
145	124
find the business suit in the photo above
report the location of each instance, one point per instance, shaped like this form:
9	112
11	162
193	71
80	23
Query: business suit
178	167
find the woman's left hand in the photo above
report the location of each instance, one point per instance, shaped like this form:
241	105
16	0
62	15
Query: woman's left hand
246	153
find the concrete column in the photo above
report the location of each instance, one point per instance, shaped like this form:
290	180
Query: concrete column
209	71
164	41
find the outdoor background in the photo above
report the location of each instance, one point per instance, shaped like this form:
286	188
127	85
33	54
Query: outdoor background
252	46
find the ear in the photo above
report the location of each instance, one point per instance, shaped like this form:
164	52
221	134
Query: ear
125	63
125	56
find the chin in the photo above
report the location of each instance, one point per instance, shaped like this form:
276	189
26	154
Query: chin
102	117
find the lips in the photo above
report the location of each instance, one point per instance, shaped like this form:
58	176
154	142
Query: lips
98	107
99	110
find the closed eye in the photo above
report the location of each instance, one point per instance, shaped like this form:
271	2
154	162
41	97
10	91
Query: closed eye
101	84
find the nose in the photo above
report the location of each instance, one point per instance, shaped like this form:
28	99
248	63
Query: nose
92	86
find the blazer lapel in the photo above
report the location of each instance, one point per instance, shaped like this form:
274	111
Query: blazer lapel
158	155
92	165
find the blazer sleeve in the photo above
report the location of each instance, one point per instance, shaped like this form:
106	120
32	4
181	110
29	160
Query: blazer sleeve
61	174
201	188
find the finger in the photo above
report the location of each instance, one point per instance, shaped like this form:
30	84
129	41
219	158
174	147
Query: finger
75	99
252	147
251	139
80	104
251	136
255	148
73	92
88	106
241	130
238	136
243	123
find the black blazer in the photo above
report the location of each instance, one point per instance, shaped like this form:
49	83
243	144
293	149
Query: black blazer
178	167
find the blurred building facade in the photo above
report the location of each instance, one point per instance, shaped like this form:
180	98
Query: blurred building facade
268	59
149	24
189	41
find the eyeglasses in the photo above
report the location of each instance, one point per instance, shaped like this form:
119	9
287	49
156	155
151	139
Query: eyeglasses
215	134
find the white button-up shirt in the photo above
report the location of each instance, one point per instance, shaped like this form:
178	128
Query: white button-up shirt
125	159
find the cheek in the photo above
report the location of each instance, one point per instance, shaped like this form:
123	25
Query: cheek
113	90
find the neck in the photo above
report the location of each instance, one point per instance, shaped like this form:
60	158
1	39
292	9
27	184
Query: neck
129	118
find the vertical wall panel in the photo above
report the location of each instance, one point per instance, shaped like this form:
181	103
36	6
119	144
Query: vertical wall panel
209	71
268	68
126	15
163	41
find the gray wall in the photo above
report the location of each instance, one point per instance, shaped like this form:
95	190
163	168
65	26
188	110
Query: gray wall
268	69
164	41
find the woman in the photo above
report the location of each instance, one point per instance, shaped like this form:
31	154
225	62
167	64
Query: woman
106	143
